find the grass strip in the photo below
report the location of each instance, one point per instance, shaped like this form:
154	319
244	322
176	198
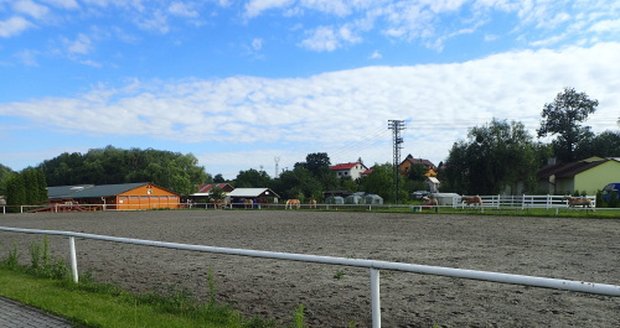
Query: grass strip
110	307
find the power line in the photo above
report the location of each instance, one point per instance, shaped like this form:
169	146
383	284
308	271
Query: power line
396	126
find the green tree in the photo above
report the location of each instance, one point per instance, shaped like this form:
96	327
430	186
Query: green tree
219	178
27	187
381	182
496	157
174	171
252	179
5	174
563	117
217	194
317	163
606	144
298	183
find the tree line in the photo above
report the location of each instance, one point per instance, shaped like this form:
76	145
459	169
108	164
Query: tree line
499	156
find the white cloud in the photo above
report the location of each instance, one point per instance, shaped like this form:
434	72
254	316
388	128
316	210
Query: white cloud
157	22
257	44
66	4
322	39
30	8
327	38
256	7
376	55
338	112
182	9
82	45
607	26
27	57
14	26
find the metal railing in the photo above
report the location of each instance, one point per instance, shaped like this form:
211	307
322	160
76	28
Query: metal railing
373	265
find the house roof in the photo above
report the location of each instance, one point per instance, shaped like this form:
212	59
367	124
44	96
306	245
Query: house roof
65	191
252	192
91	191
568	170
206	188
345	166
422	161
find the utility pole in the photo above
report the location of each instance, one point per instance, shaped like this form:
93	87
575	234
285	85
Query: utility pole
277	160
396	126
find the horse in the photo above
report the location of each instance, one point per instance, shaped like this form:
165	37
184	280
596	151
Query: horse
578	201
429	201
312	203
248	203
292	202
472	200
220	203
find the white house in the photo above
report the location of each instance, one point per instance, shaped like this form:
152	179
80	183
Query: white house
353	169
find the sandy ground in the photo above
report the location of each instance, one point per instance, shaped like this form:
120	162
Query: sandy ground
577	249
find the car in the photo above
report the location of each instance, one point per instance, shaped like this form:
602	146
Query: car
609	190
419	194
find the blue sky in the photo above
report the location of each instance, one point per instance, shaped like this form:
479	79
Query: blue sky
239	83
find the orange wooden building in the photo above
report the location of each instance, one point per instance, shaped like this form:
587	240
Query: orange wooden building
124	197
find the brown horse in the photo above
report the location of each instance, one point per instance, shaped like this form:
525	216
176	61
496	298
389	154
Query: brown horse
472	200
292	202
578	201
248	203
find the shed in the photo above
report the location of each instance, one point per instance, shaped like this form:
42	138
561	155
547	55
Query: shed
373	199
336	200
257	195
354	199
124	196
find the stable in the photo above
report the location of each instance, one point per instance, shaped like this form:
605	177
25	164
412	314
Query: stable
124	196
257	195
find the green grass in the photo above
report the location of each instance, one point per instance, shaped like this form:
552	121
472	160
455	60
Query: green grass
110	307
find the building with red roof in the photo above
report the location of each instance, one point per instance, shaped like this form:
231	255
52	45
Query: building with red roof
351	169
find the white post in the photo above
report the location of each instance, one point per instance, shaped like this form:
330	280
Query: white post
375	297
73	259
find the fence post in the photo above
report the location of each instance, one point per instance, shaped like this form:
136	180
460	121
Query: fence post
375	297
73	259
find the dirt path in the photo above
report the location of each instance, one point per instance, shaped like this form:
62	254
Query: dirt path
578	249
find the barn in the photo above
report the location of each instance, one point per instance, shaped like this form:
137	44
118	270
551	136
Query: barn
124	197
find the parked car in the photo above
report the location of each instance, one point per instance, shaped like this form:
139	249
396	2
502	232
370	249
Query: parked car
419	194
609	190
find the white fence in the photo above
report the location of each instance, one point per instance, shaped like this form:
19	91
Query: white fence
488	201
373	265
529	201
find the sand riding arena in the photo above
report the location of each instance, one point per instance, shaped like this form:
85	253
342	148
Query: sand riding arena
334	296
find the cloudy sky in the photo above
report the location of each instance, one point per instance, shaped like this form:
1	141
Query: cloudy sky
241	83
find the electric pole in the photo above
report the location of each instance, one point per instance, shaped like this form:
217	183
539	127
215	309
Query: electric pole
277	160
396	126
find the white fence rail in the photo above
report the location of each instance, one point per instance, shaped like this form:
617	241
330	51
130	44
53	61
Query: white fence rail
488	201
373	265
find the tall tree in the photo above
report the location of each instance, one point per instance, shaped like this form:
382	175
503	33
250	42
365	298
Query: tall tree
5	174
317	163
27	187
496	157
563	117
252	179
605	144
